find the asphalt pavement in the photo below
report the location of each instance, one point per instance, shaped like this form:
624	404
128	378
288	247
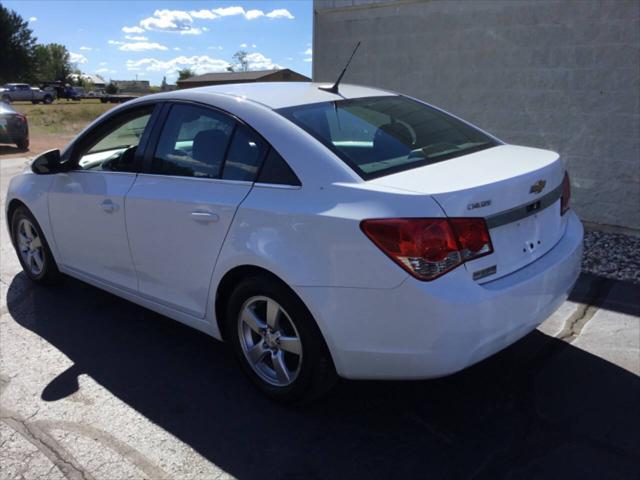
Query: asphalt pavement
95	387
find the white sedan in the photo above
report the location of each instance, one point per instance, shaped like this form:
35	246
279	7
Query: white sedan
361	234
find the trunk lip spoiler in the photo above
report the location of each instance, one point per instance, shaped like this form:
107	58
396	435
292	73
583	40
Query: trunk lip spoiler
523	211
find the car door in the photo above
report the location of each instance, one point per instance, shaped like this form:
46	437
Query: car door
24	92
86	204
180	209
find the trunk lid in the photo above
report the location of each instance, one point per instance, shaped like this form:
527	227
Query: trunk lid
516	189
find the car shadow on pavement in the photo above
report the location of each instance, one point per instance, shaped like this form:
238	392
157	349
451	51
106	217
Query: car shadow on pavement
542	408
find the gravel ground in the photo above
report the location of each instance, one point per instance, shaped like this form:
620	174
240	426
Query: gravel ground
612	255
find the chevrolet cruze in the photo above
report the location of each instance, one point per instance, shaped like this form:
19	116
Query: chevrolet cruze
357	233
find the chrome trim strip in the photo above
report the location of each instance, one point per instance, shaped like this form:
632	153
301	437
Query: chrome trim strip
199	179
281	186
524	211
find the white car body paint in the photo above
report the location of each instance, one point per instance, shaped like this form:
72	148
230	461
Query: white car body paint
378	321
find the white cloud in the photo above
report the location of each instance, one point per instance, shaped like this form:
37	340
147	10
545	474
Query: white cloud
137	38
228	11
308	51
177	49
253	14
199	64
194	31
77	58
243	45
105	70
280	13
88	49
170	21
33	19
307	59
216	47
103	63
115	42
134	29
204	14
141	46
258	61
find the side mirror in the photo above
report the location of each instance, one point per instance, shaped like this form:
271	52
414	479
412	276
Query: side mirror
47	163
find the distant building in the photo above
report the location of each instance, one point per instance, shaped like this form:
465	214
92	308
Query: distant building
283	75
132	86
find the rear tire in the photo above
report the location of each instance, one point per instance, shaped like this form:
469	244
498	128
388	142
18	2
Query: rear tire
32	248
23	144
291	362
47	99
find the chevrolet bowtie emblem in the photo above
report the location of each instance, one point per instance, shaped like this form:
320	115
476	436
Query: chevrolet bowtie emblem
538	186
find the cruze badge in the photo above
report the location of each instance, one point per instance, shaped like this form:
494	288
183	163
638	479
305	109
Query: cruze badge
474	205
538	186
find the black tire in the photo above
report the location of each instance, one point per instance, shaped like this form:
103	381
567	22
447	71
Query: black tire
47	99
35	102
316	374
23	144
50	273
6	99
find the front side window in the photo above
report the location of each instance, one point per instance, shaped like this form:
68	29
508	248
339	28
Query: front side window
378	136
114	144
193	143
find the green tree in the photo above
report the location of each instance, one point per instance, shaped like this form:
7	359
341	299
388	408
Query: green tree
185	73
111	88
52	62
16	48
242	64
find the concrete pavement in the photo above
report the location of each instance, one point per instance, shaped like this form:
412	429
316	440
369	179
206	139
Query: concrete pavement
94	387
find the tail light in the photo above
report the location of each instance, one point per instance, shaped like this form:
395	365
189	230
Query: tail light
566	194
429	247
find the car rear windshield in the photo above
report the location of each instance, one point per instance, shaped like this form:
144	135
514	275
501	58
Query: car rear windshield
378	136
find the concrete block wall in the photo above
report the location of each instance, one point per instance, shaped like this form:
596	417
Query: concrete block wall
557	74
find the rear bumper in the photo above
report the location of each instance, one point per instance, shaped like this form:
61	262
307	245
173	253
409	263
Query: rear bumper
425	330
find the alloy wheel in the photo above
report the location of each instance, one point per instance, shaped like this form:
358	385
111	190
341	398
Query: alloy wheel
270	341
30	247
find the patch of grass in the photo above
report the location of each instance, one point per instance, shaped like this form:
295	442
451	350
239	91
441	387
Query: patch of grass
61	117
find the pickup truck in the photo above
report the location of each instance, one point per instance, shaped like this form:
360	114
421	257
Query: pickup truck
16	92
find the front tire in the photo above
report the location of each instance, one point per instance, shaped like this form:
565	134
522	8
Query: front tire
6	99
32	248
277	341
47	99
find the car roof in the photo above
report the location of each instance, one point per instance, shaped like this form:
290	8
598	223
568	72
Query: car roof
6	108
277	95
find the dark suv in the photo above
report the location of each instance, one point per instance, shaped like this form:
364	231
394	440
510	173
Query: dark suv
14	127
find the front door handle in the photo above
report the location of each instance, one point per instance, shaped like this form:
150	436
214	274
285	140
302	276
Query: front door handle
204	216
109	207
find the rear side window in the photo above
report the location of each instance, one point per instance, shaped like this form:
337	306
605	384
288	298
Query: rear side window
276	171
245	155
378	136
193	143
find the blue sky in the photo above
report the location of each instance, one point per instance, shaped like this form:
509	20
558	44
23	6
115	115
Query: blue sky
151	39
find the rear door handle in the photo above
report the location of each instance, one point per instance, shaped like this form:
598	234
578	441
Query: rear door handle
204	216
109	207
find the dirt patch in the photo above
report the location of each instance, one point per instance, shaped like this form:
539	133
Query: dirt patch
53	126
38	144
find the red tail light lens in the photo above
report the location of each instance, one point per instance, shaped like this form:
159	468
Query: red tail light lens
429	247
566	194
